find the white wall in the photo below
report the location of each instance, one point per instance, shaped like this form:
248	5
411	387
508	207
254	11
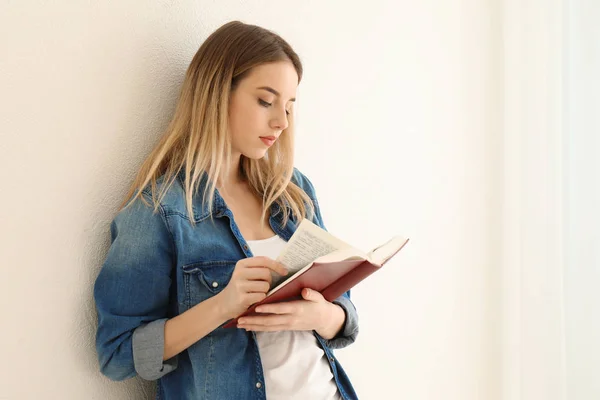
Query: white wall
400	130
533	361
582	182
410	140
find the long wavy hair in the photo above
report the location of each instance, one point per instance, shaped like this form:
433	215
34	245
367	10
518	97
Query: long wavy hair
197	138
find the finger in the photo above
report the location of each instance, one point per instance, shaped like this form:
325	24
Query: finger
278	308
311	295
269	320
256	286
257	274
262	261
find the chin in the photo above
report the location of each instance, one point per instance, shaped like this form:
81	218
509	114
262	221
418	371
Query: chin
255	154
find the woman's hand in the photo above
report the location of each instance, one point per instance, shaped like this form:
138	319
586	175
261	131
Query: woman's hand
249	284
312	313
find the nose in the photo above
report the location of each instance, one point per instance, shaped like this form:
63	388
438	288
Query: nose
280	122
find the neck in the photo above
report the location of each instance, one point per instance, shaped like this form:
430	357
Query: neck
233	179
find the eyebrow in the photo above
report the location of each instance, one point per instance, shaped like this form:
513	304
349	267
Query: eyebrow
275	92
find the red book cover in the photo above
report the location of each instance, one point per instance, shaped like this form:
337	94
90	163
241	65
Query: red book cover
331	279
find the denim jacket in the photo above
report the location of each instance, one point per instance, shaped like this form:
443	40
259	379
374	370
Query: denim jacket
159	266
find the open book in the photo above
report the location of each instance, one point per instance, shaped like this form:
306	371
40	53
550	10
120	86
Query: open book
318	260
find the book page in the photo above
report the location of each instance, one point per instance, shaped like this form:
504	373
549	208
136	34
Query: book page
381	254
308	243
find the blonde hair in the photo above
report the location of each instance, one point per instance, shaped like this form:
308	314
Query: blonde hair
197	138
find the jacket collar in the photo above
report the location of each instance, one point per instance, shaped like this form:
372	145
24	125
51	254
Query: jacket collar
201	210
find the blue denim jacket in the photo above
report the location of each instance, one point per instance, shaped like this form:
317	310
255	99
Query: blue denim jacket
159	266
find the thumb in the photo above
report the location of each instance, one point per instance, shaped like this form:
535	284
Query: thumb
312	295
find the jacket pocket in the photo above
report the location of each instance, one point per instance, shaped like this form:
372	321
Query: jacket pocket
205	279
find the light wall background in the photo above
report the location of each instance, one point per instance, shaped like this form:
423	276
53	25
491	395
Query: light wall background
582	215
402	116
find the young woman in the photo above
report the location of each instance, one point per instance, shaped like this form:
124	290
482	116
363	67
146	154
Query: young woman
194	243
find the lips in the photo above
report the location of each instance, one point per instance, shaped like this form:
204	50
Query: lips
268	140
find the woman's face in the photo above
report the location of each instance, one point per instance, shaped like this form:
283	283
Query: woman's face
259	107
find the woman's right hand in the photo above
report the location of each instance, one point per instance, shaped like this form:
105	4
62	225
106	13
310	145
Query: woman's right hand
249	284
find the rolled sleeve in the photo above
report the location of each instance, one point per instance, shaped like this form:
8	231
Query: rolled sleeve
347	335
132	293
148	350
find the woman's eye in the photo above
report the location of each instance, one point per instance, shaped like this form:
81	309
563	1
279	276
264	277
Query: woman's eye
265	104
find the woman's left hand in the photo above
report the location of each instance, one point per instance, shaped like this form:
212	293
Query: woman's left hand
311	313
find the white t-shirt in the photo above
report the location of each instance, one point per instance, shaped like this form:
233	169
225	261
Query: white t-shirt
294	365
